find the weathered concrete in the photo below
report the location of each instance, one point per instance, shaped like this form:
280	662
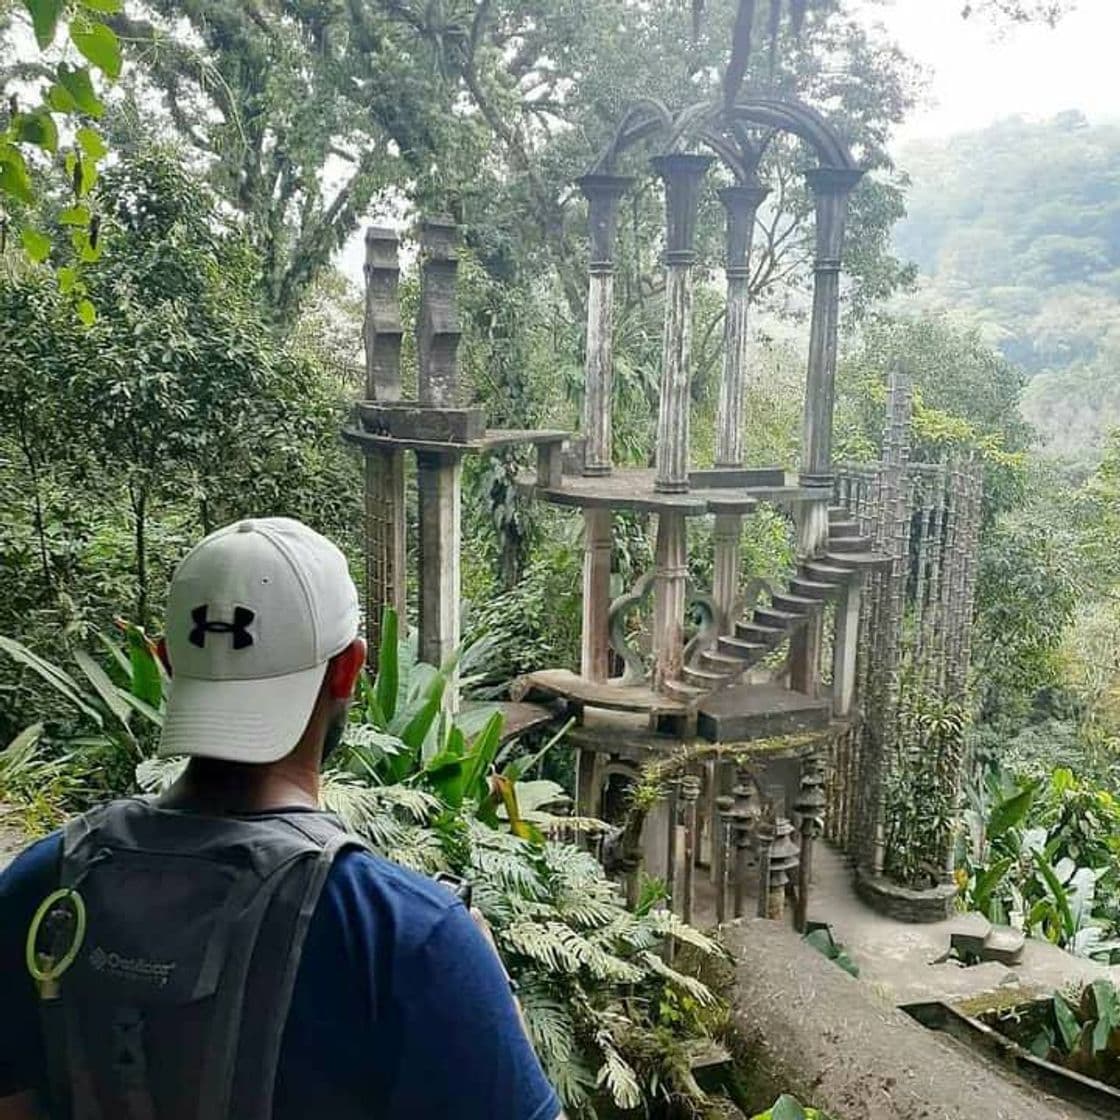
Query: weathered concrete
813	1030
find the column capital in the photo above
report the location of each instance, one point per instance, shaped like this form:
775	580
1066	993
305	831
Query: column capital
603	194
833	180
682	174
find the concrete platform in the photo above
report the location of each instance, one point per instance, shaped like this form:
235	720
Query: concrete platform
759	711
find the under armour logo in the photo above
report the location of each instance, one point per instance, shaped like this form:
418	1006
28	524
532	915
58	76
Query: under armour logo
239	627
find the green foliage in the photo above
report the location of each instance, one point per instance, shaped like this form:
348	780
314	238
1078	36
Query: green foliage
1044	857
920	792
1016	225
788	1108
820	937
1026	594
1079	1030
611	1020
30	134
175	412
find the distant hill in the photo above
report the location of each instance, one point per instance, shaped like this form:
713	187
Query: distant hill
1016	229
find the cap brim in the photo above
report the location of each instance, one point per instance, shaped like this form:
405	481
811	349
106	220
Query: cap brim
240	721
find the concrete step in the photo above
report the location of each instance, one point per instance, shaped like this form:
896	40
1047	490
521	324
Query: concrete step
813	589
968	934
742	712
831	572
721	662
746	652
776	619
839	513
705	679
857	560
838	529
1005	945
849	544
768	636
685	693
794	604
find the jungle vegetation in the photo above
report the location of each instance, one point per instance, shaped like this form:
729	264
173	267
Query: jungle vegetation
178	348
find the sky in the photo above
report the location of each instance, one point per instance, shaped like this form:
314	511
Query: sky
978	74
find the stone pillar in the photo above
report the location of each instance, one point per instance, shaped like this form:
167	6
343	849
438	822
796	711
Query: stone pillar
781	864
438	473
683	175
722	852
689	795
670	591
831	187
809	807
603	194
595	648
844	648
384	468
741	204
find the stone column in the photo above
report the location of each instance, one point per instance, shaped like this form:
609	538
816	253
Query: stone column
683	175
384	468
689	795
844	647
670	591
741	205
831	187
438	473
595	649
603	194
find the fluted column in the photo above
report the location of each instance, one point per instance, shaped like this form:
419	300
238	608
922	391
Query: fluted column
384	468
683	175
741	205
603	194
831	187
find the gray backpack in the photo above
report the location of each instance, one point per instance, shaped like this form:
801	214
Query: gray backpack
175	1006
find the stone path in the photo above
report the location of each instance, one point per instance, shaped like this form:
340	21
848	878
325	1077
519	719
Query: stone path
897	958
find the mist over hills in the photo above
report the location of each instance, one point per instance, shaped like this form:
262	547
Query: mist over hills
1016	231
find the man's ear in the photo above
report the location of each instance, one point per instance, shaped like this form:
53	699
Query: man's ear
344	668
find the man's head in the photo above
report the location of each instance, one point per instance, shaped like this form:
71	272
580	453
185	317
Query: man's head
262	624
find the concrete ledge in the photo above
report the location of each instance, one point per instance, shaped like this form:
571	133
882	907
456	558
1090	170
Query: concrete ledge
903	904
810	1029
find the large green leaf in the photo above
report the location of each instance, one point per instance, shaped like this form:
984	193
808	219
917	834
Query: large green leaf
76	91
152	715
388	665
1061	901
104	688
147	682
787	1108
14	179
45	15
416	721
36	128
1068	1026
58	679
483	752
98	44
1011	811
987	881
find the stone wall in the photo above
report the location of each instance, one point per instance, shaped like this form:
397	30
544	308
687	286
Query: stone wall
812	1030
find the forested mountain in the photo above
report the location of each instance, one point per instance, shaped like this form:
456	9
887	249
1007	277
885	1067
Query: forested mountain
1016	228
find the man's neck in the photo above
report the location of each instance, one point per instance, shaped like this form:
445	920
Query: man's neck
215	786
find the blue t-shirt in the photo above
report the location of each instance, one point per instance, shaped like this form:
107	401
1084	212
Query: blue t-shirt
400	1007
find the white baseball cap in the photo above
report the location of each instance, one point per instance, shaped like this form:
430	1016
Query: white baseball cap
254	613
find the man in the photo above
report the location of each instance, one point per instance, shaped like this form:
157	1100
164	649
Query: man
398	1005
